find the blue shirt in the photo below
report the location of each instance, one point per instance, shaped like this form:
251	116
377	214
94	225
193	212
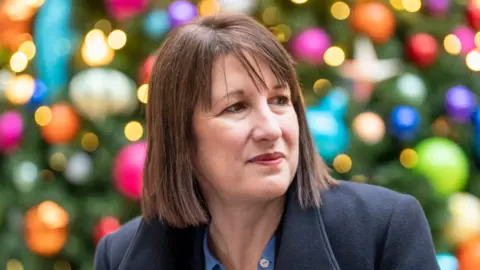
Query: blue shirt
266	263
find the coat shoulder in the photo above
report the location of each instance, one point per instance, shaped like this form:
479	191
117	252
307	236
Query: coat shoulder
112	247
359	216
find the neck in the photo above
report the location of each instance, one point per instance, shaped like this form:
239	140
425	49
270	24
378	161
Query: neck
238	234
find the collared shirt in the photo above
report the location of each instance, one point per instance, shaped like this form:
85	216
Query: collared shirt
267	261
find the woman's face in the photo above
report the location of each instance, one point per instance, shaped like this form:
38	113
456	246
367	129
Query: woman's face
247	143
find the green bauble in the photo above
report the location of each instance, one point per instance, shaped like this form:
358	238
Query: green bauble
443	163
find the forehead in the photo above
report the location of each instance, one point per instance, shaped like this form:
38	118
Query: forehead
245	72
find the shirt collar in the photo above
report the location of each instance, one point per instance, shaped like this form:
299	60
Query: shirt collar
211	262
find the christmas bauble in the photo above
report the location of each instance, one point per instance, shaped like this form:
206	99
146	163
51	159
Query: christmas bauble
97	98
123	9
466	36
310	45
469	254
460	103
335	102
373	19
443	163
156	23
128	170
244	6
330	134
39	96
63	126
181	12
146	69
438	7
411	89
422	49
11	131
404	122
25	175
105	226
447	262
473	14
79	168
369	127
46	228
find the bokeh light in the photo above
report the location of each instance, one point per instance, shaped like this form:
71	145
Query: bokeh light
28	48
58	161
133	131
340	10
452	44
408	158
299	1
14	264
95	49
20	89
117	39
473	60
90	142
321	86
342	163
18	62
43	116
208	7
142	93
412	5
334	56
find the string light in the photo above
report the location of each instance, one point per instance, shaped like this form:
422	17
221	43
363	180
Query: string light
334	56
282	32
90	142
408	158
473	60
117	39
342	163
103	25
477	39
270	15
412	5
299	1
340	10
452	44
396	4
321	86
208	7
142	93
95	50
133	131
28	48
43	116
58	161
20	89
18	62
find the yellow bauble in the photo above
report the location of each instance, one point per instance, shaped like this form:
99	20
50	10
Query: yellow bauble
464	222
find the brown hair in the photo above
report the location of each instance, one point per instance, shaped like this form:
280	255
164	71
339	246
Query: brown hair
180	79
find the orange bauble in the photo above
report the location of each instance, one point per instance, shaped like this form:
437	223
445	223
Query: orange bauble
63	126
46	228
373	19
469	254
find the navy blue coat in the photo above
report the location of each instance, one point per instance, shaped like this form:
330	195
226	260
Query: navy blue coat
358	227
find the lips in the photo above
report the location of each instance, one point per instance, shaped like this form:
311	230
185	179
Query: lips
268	158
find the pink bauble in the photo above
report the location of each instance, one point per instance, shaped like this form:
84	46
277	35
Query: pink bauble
310	46
466	37
11	131
123	9
128	170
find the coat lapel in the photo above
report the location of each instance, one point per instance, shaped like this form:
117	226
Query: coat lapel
159	247
304	243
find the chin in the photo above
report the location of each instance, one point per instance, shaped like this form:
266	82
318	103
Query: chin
273	187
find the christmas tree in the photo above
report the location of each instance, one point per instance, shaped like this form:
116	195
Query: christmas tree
390	87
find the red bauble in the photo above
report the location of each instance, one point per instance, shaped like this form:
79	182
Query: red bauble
146	69
422	49
105	226
473	14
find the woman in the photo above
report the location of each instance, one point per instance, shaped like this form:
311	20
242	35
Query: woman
232	179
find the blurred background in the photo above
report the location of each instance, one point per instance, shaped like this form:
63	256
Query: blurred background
391	87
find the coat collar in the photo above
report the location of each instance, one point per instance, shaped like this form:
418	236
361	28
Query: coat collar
304	244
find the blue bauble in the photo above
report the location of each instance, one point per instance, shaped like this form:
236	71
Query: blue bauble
39	96
157	23
330	134
404	122
447	262
53	38
335	102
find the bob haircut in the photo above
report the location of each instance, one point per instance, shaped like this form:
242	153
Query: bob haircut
181	79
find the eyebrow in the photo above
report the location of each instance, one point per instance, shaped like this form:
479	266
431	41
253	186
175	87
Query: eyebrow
241	92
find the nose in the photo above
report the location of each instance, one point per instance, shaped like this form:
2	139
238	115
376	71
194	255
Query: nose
266	125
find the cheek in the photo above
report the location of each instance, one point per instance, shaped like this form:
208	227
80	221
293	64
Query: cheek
290	130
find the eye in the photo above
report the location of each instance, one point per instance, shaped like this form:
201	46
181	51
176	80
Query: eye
237	107
281	100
